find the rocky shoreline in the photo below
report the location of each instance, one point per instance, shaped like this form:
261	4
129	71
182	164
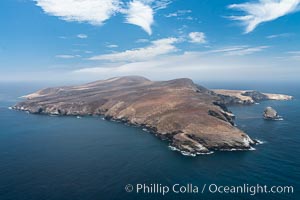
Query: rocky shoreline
193	119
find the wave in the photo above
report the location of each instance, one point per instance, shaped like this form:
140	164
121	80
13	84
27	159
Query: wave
173	148
260	141
279	119
252	149
185	153
208	153
146	130
234	149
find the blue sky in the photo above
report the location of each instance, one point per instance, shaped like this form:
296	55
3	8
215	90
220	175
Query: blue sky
162	39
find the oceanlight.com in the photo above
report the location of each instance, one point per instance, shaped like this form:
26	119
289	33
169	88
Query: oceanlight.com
207	188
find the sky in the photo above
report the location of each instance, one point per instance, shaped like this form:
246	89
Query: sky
208	40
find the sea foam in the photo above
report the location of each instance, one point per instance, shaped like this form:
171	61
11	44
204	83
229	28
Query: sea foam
260	141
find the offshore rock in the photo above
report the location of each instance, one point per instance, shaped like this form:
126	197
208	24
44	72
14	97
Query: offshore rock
270	114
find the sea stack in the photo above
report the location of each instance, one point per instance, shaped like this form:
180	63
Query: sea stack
270	114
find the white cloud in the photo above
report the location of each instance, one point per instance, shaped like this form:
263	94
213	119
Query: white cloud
178	13
94	12
263	11
112	46
65	56
294	52
141	15
282	35
181	15
82	36
197	37
157	48
142	41
171	15
294	55
189	18
199	66
160	4
157	4
239	50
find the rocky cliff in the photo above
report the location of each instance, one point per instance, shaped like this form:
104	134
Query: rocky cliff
193	118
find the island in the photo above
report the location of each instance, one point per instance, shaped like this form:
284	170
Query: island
271	114
194	120
248	96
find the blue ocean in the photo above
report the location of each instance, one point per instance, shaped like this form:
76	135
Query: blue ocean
67	158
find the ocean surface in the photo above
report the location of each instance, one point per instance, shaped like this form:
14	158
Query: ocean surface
66	158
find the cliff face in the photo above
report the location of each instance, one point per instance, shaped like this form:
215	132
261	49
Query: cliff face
191	117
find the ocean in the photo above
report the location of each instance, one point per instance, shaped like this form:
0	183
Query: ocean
68	158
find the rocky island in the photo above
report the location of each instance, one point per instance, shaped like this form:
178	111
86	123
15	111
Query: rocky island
271	114
193	119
